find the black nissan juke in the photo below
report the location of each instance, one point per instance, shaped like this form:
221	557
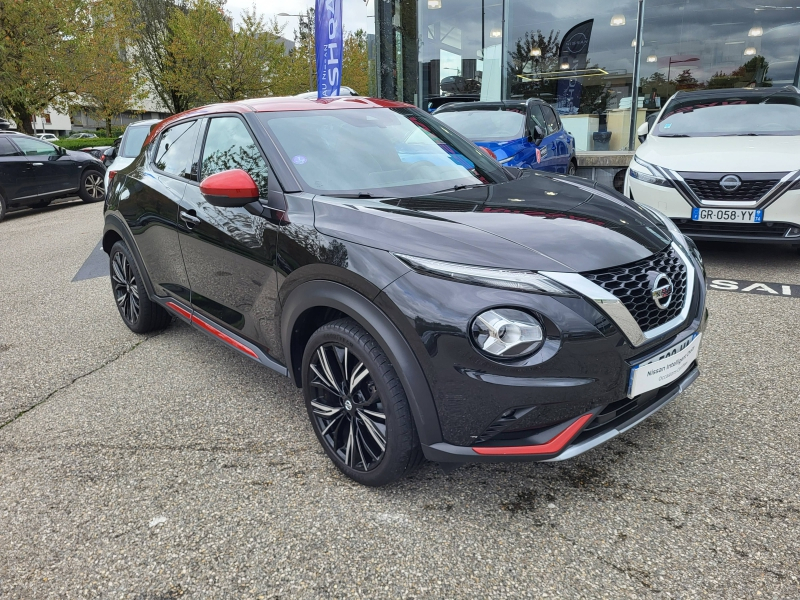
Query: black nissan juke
429	302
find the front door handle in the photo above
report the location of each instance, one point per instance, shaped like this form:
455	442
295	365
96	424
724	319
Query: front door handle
38	164
189	218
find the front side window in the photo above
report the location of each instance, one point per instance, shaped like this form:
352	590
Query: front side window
775	113
33	147
486	125
378	151
229	145
176	149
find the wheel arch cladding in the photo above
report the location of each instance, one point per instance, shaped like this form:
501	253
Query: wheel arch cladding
115	230
324	301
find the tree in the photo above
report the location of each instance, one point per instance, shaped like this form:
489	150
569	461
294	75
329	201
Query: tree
40	42
111	84
355	62
151	43
524	68
213	60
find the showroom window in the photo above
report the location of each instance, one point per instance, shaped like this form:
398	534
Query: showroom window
692	44
579	57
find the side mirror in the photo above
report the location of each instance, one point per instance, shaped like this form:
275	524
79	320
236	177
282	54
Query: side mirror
111	152
230	189
538	135
642	132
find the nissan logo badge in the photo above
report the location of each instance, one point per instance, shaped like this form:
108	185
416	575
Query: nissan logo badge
730	183
662	291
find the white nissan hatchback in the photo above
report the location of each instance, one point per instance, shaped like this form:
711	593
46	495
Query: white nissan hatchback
724	164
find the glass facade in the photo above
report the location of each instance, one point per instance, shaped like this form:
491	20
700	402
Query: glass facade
590	59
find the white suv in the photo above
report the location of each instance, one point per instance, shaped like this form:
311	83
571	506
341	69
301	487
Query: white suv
724	164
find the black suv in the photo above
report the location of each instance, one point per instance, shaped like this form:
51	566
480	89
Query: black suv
428	301
33	173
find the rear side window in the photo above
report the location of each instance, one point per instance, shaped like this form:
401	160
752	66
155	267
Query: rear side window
7	148
229	145
176	150
132	141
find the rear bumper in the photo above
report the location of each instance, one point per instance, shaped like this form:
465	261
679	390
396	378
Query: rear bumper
579	441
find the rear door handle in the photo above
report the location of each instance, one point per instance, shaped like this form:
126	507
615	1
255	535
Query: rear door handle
38	164
189	218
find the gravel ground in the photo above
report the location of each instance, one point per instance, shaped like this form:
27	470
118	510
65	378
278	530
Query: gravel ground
168	466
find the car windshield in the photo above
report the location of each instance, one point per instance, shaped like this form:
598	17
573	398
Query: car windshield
133	140
486	125
382	152
770	114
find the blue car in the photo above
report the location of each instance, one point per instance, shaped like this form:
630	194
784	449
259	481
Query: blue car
520	133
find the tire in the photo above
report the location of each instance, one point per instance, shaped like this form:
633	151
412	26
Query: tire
572	169
3	207
92	189
363	420
139	313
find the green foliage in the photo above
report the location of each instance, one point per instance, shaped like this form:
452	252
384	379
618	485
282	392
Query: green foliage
85	143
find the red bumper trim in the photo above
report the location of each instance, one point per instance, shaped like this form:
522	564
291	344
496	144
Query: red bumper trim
213	330
557	444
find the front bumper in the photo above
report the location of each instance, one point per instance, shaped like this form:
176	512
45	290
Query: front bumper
577	441
781	222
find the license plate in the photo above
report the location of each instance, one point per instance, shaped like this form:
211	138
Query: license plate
664	368
728	215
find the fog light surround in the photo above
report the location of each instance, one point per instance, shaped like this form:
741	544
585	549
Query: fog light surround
507	333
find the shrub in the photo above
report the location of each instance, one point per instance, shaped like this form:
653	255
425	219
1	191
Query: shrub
84	143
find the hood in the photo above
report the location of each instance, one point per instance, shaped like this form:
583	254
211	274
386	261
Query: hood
541	222
723	154
81	156
503	150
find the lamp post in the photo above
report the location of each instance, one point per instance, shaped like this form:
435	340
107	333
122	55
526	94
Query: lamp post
310	50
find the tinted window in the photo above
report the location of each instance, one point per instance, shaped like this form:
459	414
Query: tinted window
176	149
230	146
551	119
486	125
6	148
33	147
387	152
538	118
133	140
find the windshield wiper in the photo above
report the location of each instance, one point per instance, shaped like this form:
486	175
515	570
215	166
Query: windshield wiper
456	188
742	135
673	135
358	195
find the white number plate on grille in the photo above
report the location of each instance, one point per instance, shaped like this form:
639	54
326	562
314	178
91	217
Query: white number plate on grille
664	368
728	215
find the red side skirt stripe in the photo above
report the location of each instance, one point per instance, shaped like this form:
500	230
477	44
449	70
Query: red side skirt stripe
213	330
557	444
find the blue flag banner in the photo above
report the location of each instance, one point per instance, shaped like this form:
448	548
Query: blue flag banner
328	34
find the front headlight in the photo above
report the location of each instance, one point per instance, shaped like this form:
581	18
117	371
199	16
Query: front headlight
508	279
644	171
507	333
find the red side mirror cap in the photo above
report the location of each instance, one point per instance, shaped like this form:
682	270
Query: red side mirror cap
234	188
489	152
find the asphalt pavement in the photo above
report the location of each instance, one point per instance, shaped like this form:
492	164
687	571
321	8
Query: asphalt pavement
167	466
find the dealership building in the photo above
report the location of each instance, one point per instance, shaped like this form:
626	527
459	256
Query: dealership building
583	57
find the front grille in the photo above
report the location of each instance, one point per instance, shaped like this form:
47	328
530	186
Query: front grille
632	284
709	190
734	230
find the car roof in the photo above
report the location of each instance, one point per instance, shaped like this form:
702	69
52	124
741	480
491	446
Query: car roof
485	105
278	104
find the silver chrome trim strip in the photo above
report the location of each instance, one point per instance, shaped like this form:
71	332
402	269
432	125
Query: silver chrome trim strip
780	188
577	449
618	312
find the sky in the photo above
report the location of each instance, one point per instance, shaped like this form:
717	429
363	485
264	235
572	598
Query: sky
355	12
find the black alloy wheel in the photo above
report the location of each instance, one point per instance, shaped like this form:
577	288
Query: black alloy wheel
140	314
125	284
357	405
92	188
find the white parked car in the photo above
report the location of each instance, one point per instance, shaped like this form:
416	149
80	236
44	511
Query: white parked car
724	164
47	137
129	147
